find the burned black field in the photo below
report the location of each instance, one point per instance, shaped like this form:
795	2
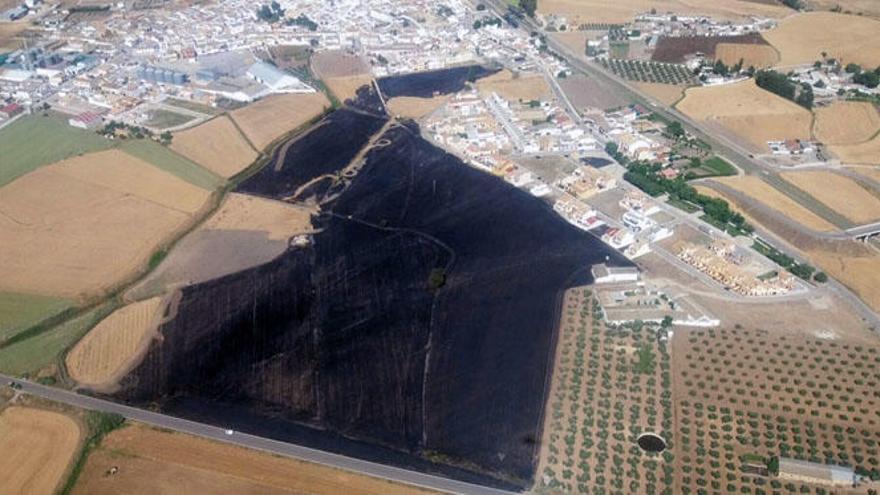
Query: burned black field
416	329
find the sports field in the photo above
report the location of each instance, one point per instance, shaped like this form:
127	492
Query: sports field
81	226
839	193
216	145
18	312
268	119
38	447
846	122
754	115
154	461
34	140
802	38
165	159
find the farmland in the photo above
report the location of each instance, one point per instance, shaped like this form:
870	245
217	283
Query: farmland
647	71
587	92
514	87
18	312
759	56
622	11
57	142
216	145
668	94
867	153
754	115
155	461
81	226
9	32
840	193
750	392
413	107
846	122
163	119
345	87
159	156
802	38
675	50
857	271
610	385
272	117
110	349
756	188
38	447
860	7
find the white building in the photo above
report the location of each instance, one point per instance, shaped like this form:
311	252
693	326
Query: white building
604	274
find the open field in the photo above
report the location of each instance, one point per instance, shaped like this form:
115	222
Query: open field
216	145
41	351
153	461
18	312
666	94
839	193
576	41
161	157
756	188
413	107
244	232
621	11
192	106
867	153
859	273
345	87
846	122
338	63
755	115
677	49
765	393
515	87
109	350
38	446
586	92
869	172
869	8
79	227
9	32
608	388
33	141
163	119
802	38
758	56
270	118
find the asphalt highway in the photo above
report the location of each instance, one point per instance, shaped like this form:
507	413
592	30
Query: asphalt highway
358	466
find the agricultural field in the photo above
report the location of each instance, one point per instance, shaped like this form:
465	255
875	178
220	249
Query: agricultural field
338	63
154	461
42	351
345	87
647	71
759	56
162	158
9	33
413	107
623	11
846	122
858	272
763	192
587	92
163	119
667	94
110	349
56	139
841	194
266	120
802	38
859	7
610	385
714	167
81	226
676	49
18	312
869	172
38	447
216	145
867	153
751	393
754	115
515	87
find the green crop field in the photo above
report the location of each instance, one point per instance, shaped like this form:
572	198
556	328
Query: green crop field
41	350
18	312
169	161
714	167
35	140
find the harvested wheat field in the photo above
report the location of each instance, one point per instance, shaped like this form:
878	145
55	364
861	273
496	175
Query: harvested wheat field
9	35
338	63
153	461
765	193
755	115
117	343
841	194
216	145
266	120
846	122
412	107
666	94
867	153
38	447
515	87
245	231
622	11
802	38
83	225
869	172
346	87
869	8
759	56
857	273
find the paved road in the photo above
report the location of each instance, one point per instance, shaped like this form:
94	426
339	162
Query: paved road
254	442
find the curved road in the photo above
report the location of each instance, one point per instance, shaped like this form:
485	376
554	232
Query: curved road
254	442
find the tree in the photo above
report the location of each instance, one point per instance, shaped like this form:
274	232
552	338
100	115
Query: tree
853	68
675	129
820	277
867	79
720	68
529	6
805	96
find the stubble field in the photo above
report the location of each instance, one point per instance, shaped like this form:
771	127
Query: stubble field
621	11
846	122
38	447
802	38
109	350
515	87
840	193
755	115
83	225
758	56
867	153
272	117
216	145
153	461
413	107
765	193
668	94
